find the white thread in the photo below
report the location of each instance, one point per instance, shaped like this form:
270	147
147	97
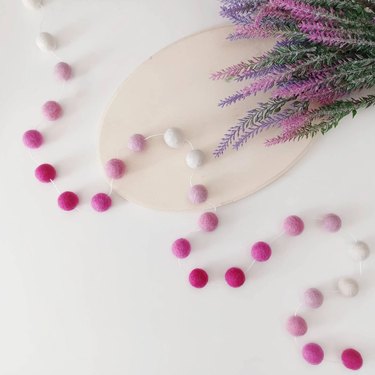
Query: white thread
190	144
250	266
153	136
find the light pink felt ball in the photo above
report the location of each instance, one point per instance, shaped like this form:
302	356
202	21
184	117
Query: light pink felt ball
115	168
32	138
208	221
198	194
313	354
45	173
261	251
137	143
181	248
52	110
293	225
235	277
63	71
331	223
68	201
101	202
352	359
296	326
198	278
313	298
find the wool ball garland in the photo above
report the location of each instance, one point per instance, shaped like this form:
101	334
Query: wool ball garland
313	298
45	173
173	137
198	194
313	354
359	251
32	4
63	71
52	110
331	223
235	277
181	248
137	143
296	326
68	201
46	42
352	359
198	278
293	225
261	251
101	202
194	159
32	138
115	168
348	287
208	221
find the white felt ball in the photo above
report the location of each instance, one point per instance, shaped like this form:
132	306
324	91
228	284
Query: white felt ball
173	137
194	158
32	4
46	42
348	287
359	251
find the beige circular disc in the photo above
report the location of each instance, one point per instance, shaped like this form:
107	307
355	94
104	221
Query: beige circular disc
173	89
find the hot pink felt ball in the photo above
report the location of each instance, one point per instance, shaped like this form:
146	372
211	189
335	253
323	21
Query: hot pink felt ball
63	71
235	277
45	173
198	194
115	168
208	221
32	138
52	110
313	354
261	251
137	143
313	298
68	201
181	248
101	202
293	225
296	326
198	278
352	359
331	223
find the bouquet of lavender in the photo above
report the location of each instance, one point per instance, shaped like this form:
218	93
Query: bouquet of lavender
325	51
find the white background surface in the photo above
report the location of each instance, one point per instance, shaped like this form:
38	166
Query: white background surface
83	293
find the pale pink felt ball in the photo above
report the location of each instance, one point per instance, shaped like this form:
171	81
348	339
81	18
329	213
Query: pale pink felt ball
352	359
313	298
32	138
208	221
52	110
313	354
45	173
101	202
115	168
137	143
68	201
261	251
296	326
198	278
63	71
235	277
198	194
181	248
331	223
293	225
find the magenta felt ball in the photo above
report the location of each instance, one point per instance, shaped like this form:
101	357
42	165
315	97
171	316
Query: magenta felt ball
63	71
296	326
115	168
198	278
45	173
137	143
32	138
261	251
352	359
208	221
101	202
235	277
313	354
52	110
313	298
293	225
198	194
181	248
68	201
331	223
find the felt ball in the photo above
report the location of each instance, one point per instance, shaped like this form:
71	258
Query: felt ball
313	298
293	225
32	138
235	277
296	326
46	42
52	110
198	194
45	173
352	359
313	354
137	143
261	251
32	4
198	278
208	221
181	248
63	71
194	159
115	168
101	202
173	137
348	287
359	251
331	223
68	201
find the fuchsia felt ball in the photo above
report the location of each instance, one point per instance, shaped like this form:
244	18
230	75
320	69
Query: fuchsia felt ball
331	223
198	278
45	173
313	354
296	326
352	359
101	202
68	201
137	143
261	251
235	277
293	225
63	71
32	138
52	110
313	298
198	194
181	248
208	221
115	168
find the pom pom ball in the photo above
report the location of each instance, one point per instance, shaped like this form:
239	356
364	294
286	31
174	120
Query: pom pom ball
331	223
296	326
32	139
208	221
137	143
348	287
359	251
293	225
68	201
181	248
45	173
198	278
32	4
194	159
198	194
235	277
173	137
101	202
63	71
313	298
46	42
352	359
115	168
261	251
313	354
52	110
